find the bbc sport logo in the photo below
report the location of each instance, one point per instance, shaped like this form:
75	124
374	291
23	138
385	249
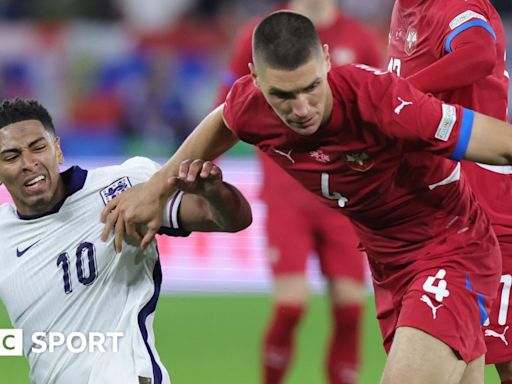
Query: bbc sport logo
11	342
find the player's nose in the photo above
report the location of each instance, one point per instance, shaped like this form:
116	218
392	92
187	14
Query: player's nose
300	106
29	160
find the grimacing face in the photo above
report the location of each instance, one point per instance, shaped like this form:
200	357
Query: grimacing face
29	166
300	97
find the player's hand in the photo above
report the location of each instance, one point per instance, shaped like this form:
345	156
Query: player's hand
137	212
197	177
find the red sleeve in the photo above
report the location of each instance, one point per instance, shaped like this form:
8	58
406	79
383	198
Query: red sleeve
234	103
472	58
241	56
415	121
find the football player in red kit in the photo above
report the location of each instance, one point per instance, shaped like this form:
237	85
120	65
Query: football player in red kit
456	50
305	224
388	147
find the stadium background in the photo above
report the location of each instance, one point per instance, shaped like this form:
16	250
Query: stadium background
132	77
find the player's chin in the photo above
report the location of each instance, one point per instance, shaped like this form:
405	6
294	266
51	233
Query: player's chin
305	131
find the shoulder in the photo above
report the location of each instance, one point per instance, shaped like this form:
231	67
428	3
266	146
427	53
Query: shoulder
243	98
354	77
459	12
6	211
135	170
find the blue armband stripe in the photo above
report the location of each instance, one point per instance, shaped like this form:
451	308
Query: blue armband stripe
468	116
465	26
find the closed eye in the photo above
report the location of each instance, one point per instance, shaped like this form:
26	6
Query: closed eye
311	88
10	158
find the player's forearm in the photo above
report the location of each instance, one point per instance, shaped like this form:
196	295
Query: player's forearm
490	141
230	211
209	140
223	209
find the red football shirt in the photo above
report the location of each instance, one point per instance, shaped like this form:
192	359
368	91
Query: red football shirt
423	33
378	160
349	42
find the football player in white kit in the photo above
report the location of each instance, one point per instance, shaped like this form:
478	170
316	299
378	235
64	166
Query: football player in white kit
55	273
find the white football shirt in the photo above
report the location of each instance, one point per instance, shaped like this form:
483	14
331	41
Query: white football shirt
56	275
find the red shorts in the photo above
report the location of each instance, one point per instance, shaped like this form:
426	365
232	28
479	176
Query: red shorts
497	329
295	230
447	296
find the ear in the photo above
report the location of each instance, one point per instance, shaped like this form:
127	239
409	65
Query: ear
327	56
254	76
60	155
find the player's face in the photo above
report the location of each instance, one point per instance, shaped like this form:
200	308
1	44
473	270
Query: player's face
29	166
300	97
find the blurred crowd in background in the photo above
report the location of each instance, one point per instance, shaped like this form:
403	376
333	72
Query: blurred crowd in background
125	77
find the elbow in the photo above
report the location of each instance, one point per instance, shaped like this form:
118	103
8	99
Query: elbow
243	220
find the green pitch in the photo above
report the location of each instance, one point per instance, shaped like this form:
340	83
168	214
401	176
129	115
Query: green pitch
216	339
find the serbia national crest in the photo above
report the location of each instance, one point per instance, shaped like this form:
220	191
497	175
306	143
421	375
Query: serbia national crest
359	161
411	38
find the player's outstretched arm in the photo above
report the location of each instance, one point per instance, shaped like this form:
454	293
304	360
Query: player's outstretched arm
209	204
142	206
490	141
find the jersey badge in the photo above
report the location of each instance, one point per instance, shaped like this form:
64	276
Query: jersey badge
465	16
114	189
411	38
320	156
359	161
447	122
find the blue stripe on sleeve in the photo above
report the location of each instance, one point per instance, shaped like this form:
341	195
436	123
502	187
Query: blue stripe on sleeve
468	116
465	26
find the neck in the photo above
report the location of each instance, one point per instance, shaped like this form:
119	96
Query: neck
321	13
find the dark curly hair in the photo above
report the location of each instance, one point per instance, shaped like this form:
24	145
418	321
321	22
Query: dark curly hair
15	110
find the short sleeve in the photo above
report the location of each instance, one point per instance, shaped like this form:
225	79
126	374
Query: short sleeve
414	120
463	20
238	101
140	170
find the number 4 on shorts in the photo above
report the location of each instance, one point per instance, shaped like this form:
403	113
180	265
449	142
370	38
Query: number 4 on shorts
437	285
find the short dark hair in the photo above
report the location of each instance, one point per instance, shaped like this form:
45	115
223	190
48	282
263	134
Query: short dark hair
285	40
15	110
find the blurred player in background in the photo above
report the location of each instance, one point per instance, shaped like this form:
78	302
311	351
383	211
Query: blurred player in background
388	148
455	50
56	274
304	224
